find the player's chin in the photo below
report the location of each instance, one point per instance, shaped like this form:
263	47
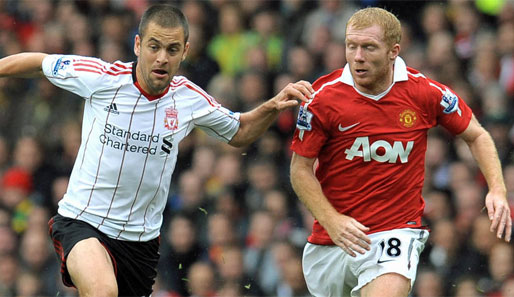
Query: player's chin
158	88
161	84
362	81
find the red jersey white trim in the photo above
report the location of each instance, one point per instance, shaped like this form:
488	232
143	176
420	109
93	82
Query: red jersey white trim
371	149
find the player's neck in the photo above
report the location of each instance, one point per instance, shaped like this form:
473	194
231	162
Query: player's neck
379	86
139	80
143	85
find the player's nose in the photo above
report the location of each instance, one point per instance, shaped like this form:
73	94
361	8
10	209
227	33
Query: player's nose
161	57
359	54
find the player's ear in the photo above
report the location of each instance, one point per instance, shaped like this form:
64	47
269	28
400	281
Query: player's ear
137	45
186	51
394	52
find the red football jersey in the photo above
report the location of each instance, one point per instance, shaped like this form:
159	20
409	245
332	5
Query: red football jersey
371	148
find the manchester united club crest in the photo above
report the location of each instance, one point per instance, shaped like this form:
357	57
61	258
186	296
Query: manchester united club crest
171	119
408	118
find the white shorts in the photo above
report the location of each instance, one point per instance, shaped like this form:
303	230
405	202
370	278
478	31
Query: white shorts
330	271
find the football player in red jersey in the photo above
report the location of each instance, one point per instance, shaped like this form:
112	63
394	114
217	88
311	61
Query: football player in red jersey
367	127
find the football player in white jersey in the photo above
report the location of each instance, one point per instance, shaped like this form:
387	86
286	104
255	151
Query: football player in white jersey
106	232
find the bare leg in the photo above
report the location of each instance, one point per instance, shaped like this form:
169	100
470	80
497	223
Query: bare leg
91	269
387	285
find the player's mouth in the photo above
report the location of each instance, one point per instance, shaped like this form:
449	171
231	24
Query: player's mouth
160	73
360	72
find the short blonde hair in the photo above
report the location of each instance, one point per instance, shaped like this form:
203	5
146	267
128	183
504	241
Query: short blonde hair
367	17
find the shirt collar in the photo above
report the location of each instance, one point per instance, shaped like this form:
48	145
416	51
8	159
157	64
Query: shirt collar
138	86
400	72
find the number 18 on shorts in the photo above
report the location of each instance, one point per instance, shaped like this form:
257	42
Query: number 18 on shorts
329	271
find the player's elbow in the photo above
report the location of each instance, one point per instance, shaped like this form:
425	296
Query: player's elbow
294	176
243	137
239	140
479	136
293	181
236	143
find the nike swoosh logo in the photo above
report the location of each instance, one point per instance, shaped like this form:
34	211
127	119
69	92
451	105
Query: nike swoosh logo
342	129
383	261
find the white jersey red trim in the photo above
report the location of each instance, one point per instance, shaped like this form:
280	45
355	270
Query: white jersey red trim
122	174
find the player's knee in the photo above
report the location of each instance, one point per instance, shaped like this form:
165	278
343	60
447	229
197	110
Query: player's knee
389	284
100	288
110	290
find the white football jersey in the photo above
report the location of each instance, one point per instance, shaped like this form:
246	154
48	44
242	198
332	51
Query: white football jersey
122	174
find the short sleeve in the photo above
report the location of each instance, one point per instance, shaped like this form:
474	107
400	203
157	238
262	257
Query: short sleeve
208	115
452	112
220	123
310	135
82	75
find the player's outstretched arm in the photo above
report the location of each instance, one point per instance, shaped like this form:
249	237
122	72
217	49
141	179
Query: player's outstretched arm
483	149
344	231
22	65
258	120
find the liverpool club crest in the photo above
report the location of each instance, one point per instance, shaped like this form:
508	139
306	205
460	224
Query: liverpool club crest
171	119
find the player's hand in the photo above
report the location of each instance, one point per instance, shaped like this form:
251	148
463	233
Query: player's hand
498	211
348	233
289	96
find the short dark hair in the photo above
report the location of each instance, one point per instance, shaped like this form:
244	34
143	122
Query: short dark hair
166	16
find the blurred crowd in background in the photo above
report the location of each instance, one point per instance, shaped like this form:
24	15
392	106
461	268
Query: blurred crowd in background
233	226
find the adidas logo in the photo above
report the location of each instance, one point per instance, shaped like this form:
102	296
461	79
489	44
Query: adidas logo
112	108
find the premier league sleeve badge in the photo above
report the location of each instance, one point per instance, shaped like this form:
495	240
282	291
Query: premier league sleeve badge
304	119
450	102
